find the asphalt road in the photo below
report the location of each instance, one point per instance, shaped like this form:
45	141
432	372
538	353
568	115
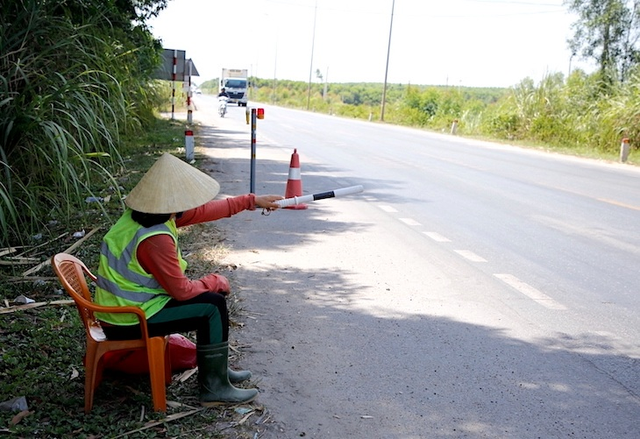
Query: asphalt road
473	290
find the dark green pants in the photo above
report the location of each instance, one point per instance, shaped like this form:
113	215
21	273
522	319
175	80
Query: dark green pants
206	314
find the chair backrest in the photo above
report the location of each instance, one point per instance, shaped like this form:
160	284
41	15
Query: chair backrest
73	274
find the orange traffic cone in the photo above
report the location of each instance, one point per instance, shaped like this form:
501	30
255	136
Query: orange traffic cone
294	183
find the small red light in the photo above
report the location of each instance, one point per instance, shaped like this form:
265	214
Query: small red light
188	133
260	113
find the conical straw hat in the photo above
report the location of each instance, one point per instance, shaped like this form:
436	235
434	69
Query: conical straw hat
172	186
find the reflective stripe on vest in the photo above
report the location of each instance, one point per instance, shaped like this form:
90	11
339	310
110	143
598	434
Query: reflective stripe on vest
113	288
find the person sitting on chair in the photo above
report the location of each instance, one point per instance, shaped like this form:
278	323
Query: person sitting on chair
141	265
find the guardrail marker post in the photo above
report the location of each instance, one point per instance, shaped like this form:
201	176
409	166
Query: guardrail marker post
454	127
188	145
624	150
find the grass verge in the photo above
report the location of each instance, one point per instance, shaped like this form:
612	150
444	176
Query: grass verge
41	349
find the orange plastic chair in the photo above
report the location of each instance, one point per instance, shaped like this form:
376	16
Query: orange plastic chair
72	274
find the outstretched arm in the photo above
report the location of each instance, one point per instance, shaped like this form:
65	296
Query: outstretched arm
216	209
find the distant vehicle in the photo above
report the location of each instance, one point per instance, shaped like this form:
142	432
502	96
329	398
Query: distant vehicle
235	82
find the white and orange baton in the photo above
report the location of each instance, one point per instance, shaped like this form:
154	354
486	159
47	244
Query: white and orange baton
320	196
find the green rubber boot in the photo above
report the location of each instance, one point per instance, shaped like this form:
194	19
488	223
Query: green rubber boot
238	376
213	376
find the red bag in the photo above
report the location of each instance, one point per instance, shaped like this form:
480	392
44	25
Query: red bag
181	352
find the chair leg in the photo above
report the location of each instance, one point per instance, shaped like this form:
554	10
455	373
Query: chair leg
90	372
88	392
156	355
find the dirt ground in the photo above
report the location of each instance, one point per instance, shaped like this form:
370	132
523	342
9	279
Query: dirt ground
225	160
271	278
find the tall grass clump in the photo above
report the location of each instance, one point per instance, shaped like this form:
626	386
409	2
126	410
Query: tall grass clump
528	111
581	115
70	84
620	113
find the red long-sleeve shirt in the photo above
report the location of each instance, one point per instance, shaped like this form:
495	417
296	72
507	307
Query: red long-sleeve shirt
157	254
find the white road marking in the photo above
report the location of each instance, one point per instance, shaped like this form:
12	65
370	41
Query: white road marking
530	291
470	255
437	237
509	279
410	222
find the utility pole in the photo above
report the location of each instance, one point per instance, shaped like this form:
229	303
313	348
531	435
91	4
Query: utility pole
386	71
313	41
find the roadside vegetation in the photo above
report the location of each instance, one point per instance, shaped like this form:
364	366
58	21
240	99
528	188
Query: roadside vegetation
80	124
42	348
583	115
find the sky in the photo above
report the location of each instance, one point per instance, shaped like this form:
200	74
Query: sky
470	43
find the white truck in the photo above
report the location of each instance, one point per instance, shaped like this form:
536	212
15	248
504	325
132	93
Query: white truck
235	82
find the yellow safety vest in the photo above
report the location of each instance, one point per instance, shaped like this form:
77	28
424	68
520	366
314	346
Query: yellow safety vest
121	279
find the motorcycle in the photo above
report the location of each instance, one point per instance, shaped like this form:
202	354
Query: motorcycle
222	105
